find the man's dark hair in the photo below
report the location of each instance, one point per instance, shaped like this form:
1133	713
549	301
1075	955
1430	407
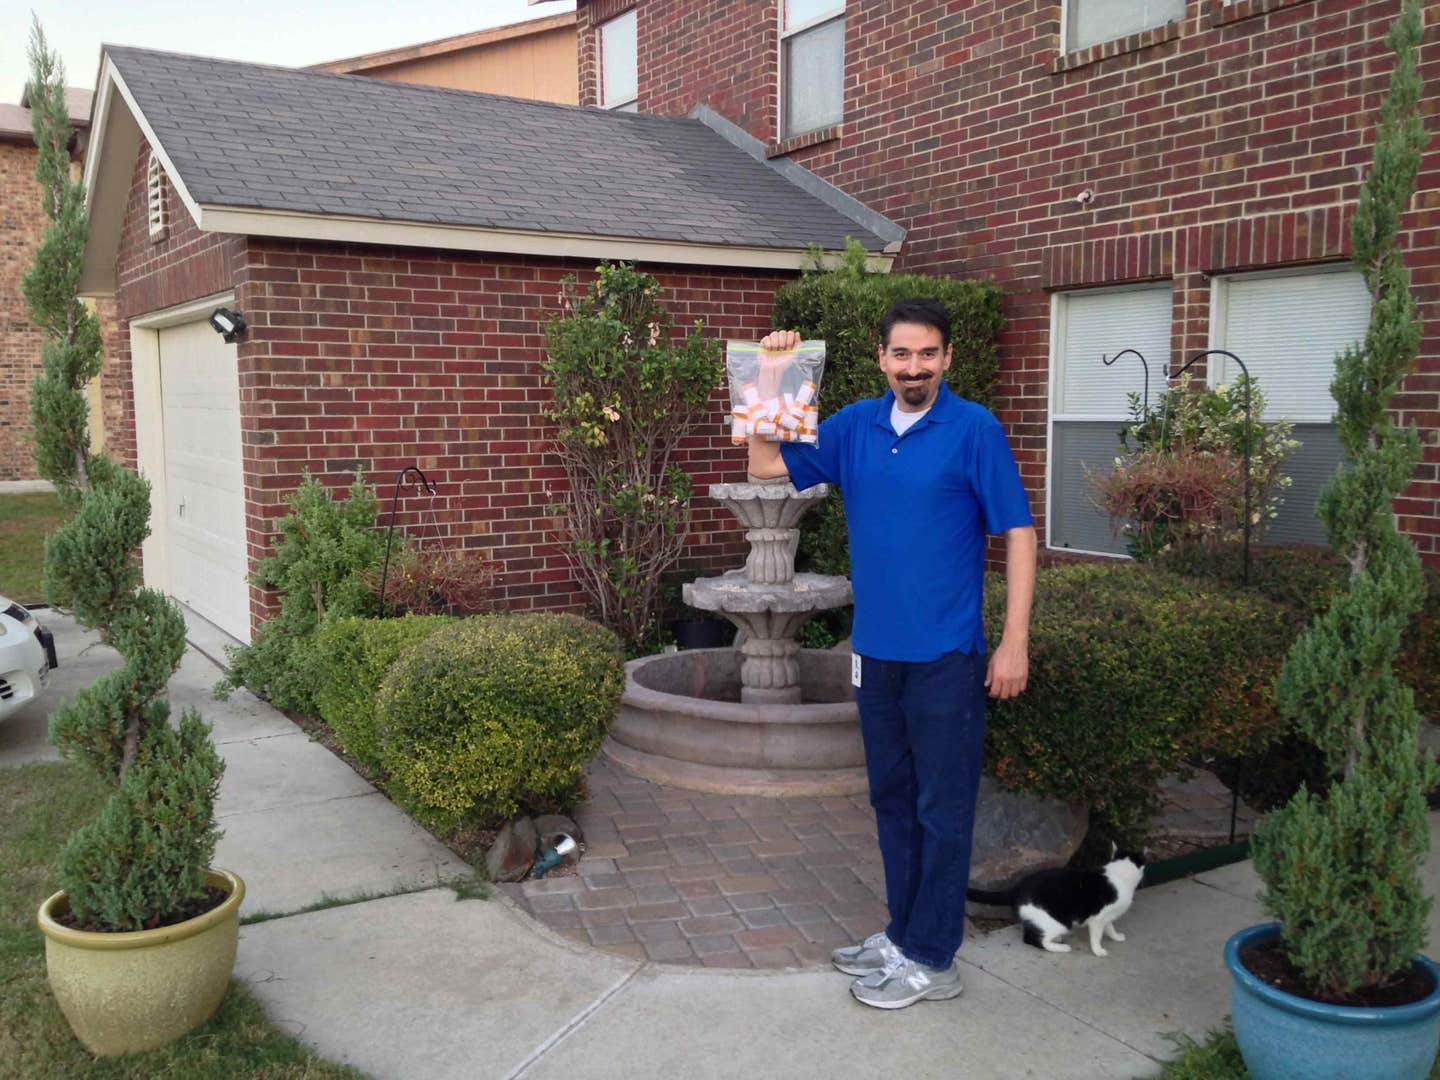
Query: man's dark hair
920	310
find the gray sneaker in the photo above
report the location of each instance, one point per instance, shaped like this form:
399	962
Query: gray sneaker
904	982
867	958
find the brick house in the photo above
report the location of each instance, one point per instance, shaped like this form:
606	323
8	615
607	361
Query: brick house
1172	177
395	251
21	224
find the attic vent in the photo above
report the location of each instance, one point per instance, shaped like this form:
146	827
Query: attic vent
155	196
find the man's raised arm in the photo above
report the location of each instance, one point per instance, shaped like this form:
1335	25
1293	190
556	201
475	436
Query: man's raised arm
765	460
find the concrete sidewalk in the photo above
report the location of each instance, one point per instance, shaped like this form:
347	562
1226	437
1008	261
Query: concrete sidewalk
410	981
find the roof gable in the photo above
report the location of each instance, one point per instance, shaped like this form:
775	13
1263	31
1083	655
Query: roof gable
277	151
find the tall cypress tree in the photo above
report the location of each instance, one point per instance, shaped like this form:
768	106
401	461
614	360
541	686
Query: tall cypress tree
1343	872
137	865
71	353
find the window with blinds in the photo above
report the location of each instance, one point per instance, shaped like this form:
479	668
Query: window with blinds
812	65
1090	22
155	195
1088	400
619	63
1288	328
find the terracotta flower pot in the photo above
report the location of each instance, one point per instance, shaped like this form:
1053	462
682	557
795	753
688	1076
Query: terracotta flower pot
128	992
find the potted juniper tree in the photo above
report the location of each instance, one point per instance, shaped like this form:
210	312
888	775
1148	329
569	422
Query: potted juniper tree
1338	988
141	937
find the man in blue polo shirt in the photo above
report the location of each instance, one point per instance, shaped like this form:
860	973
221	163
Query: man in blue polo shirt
925	475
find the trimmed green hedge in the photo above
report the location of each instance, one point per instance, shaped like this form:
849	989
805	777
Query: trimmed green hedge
1303	579
496	714
844	308
353	656
1133	672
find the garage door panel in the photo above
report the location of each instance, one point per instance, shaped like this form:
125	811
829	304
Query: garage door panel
204	476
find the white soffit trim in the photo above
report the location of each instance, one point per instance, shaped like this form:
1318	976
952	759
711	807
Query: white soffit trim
254	222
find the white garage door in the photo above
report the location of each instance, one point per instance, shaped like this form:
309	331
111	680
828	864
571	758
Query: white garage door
204	492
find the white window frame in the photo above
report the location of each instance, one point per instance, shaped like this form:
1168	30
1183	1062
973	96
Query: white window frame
838	12
1216	367
1159	380
155	195
1065	19
630	104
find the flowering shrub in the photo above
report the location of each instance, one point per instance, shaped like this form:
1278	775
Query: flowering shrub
1181	480
624	397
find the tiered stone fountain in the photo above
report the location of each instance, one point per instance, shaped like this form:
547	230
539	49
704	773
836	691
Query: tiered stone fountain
768	718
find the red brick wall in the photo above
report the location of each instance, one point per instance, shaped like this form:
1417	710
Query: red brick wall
1235	141
381	358
21	223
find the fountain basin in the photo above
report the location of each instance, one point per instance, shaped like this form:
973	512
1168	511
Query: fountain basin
681	723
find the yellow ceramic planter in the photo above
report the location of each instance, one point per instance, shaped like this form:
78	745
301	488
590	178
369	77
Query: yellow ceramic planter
124	993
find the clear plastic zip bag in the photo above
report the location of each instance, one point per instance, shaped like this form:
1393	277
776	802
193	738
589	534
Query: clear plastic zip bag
775	393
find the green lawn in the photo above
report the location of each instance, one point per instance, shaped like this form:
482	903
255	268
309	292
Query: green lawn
25	521
39	806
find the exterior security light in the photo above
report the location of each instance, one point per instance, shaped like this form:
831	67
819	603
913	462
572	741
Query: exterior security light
228	324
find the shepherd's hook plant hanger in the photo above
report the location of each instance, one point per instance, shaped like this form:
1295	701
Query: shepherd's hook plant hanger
1245	543
422	482
1145	401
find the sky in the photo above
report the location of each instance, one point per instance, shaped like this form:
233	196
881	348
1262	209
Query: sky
288	32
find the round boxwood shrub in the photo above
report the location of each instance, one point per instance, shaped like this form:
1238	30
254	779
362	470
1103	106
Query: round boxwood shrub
497	713
1133	672
352	657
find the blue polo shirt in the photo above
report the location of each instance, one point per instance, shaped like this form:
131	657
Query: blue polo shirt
918	507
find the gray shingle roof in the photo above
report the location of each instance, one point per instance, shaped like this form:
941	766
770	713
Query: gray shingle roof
252	136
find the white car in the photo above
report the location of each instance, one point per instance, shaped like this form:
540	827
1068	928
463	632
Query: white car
27	656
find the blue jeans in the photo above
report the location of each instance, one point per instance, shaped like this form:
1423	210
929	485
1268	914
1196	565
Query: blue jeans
924	731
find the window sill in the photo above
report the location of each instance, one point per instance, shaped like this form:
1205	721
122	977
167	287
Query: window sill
800	142
1223	12
1104	50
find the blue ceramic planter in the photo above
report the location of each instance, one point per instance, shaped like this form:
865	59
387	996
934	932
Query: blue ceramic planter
1284	1037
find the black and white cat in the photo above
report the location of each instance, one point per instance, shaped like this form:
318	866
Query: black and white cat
1051	903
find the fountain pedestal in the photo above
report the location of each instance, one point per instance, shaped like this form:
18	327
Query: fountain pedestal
768	600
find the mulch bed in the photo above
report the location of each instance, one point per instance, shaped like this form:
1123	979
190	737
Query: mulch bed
1271	965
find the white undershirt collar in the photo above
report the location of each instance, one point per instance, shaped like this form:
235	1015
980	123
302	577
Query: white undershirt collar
903	421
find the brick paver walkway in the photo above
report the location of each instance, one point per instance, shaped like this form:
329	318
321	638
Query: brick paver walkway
720	880
733	881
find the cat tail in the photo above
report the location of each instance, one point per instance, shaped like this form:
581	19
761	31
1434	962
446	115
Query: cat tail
1005	898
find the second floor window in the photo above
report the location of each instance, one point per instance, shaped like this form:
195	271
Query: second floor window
812	65
1090	22
619	79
